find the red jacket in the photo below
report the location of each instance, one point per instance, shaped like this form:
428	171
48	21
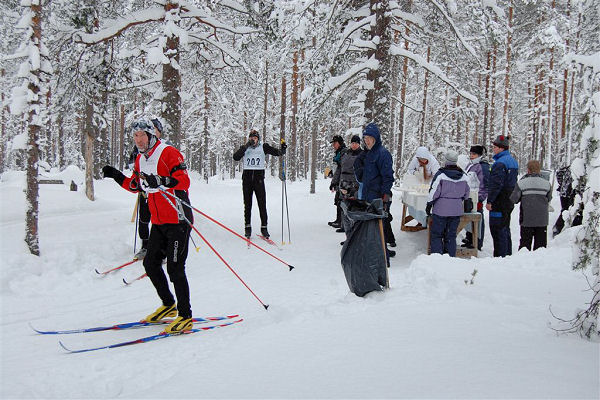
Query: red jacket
163	160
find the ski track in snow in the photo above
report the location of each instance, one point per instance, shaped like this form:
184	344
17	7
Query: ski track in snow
429	336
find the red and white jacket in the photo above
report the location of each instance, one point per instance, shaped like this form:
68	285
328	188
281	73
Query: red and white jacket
163	160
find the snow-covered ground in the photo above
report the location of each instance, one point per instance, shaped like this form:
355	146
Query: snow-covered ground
429	336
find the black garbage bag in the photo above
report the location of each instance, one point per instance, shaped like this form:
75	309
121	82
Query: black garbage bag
363	255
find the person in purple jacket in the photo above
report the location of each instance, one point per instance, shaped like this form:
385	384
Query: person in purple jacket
481	168
449	188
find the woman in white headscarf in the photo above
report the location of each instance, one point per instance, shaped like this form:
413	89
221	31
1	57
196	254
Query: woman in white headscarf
423	164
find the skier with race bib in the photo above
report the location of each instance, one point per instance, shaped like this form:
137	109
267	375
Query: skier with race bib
253	155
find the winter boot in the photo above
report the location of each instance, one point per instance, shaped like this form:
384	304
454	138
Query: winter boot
248	231
162	312
180	325
140	254
264	231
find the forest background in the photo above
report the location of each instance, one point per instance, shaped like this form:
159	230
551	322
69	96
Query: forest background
444	74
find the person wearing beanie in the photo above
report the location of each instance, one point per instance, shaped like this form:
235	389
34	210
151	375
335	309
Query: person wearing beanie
253	178
534	193
160	168
337	142
449	189
348	185
479	168
502	181
373	169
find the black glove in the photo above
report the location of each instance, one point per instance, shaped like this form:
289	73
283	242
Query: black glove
283	146
154	181
468	205
112	172
331	187
428	208
249	143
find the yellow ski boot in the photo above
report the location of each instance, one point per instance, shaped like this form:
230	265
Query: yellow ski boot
161	313
180	325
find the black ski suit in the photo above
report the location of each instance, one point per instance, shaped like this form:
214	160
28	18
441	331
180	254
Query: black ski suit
253	179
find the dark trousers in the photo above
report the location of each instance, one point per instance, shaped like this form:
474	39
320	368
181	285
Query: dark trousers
500	224
443	234
253	182
143	220
537	235
172	240
387	224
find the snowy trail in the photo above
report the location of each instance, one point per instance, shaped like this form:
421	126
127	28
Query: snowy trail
429	336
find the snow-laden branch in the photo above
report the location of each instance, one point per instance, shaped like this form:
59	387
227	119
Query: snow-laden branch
234	5
459	36
116	26
335	82
434	69
189	11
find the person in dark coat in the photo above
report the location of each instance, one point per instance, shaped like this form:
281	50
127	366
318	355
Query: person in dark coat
479	166
449	189
534	193
503	178
253	178
337	142
348	185
373	169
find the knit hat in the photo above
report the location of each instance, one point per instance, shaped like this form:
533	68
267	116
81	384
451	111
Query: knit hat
451	157
502	141
355	139
337	138
477	149
254	133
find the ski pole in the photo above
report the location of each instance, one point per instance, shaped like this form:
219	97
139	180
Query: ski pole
287	213
266	306
137	212
225	227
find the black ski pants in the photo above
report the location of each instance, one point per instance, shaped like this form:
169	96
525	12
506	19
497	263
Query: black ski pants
253	182
536	235
172	240
143	220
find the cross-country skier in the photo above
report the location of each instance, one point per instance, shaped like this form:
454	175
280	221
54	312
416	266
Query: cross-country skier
253	178
160	166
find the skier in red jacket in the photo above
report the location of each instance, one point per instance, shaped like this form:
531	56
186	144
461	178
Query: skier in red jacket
160	166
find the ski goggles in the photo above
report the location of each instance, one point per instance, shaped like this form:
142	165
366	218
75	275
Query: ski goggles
142	126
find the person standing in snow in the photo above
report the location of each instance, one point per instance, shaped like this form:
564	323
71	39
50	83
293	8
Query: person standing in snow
143	210
253	178
478	166
337	142
373	168
449	189
348	185
160	166
534	192
503	178
423	165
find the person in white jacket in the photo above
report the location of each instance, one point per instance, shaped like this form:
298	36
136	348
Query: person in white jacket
423	165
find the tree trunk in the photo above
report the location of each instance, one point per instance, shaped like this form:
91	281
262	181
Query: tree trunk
171	78
505	124
424	105
486	103
314	155
206	155
493	95
265	101
282	174
90	137
292	159
377	99
35	105
122	138
2	126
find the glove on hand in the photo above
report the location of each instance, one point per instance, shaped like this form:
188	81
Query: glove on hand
249	143
112	172
283	146
428	208
154	181
385	198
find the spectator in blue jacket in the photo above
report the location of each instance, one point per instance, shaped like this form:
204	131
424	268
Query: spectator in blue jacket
373	169
449	189
478	166
503	178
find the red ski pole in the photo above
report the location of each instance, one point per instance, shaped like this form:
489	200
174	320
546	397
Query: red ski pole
225	227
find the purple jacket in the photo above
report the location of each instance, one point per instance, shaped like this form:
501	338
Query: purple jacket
482	170
449	188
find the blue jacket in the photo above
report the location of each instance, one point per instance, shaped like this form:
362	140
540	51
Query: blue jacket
373	169
503	175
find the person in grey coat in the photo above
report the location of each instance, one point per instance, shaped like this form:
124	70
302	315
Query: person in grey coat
449	188
534	192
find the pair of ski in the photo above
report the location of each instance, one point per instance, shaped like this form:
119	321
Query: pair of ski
229	320
125	281
266	239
